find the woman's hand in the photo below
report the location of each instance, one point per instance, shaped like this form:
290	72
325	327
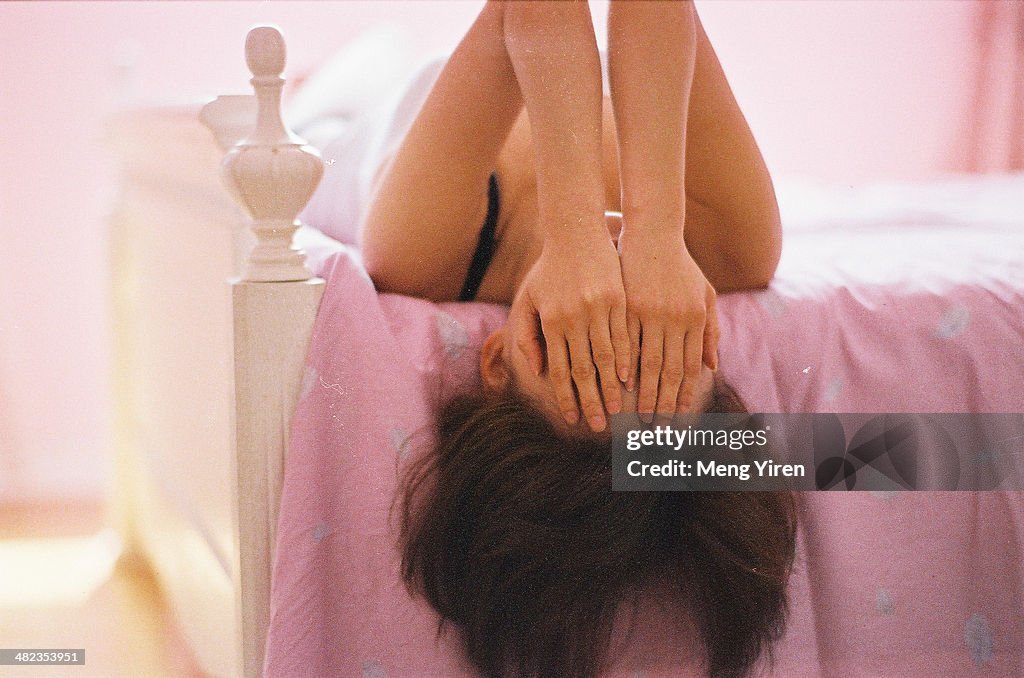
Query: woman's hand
671	318
575	289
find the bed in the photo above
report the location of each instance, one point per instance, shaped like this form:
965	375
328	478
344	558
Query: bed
203	414
238	400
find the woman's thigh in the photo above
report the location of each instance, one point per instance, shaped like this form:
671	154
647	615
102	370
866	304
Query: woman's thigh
423	220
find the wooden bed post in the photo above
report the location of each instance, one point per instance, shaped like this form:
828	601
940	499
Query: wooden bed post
272	174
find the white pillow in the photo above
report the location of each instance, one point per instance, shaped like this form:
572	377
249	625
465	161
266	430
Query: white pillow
355	79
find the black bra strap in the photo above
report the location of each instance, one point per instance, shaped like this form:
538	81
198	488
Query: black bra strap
485	246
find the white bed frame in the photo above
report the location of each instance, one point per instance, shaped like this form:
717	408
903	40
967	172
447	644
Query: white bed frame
189	427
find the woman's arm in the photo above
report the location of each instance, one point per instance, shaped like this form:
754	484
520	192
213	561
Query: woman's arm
554	53
432	196
739	238
575	287
670	304
661	63
651	58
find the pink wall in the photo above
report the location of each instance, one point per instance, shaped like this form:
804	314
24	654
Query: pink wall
835	89
849	90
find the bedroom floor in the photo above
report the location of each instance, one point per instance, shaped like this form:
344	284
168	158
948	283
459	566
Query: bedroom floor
64	587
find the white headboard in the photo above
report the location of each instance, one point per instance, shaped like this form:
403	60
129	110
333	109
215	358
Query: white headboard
272	173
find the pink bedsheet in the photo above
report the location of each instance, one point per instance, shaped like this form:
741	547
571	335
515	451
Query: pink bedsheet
920	318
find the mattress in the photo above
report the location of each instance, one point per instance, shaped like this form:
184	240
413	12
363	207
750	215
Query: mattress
888	298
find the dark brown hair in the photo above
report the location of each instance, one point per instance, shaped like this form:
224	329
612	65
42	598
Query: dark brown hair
511	531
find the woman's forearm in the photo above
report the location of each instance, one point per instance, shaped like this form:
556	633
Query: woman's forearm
554	53
651	57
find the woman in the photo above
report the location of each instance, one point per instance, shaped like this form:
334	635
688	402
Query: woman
509	527
670	147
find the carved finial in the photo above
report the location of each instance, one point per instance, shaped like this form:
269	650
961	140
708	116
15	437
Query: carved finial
264	52
273	171
265	55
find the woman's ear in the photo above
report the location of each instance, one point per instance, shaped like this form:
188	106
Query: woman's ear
493	368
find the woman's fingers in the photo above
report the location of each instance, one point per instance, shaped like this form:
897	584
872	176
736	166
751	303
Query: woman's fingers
575	284
585	377
561	378
711	332
671	372
529	335
692	352
678	364
633	328
651	345
625	366
604	360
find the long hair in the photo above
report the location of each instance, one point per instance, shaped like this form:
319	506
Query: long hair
511	531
